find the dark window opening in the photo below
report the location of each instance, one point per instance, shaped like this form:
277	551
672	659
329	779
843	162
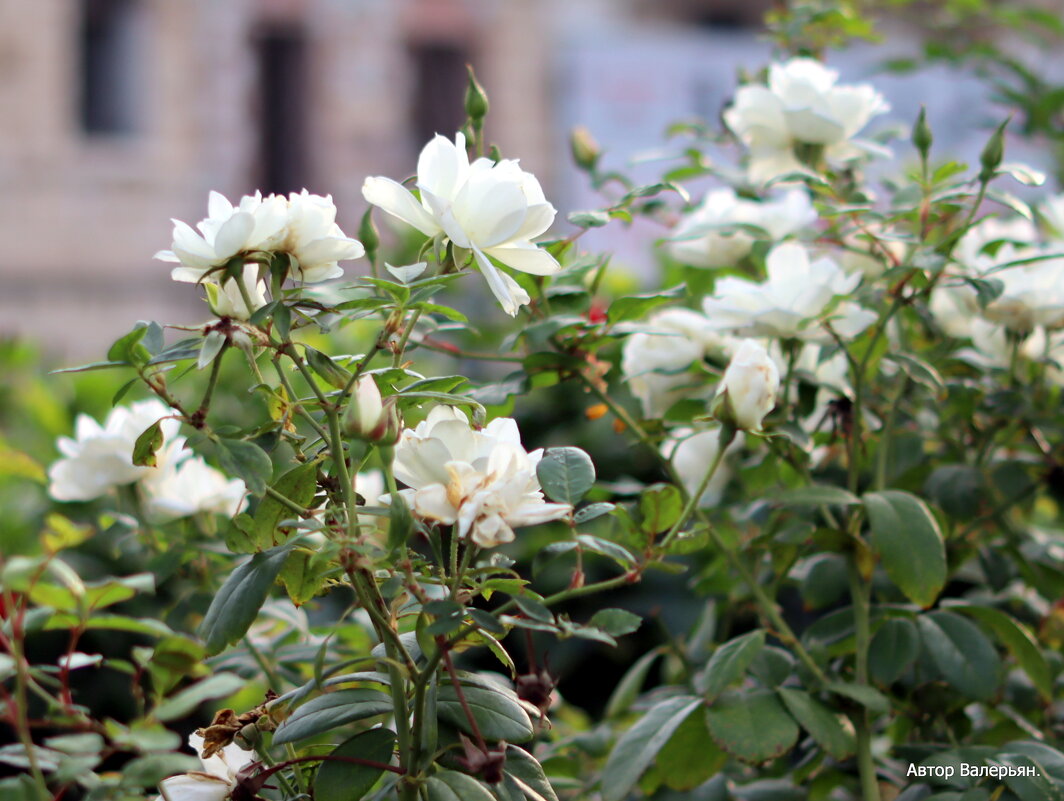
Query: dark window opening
439	89
108	51
727	17
282	164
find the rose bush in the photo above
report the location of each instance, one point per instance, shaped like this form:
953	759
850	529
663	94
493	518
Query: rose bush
822	454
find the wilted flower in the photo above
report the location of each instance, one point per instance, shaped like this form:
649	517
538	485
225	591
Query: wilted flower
183	485
709	235
492	209
802	104
656	362
748	388
214	783
788	303
483	481
690	452
100	458
302	225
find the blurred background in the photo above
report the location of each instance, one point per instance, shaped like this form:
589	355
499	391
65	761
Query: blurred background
121	114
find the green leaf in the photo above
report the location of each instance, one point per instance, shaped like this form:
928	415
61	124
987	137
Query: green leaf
334	375
303	574
615	622
532	608
894	647
400	523
909	542
246	461
450	785
957	488
298	485
833	732
589	219
128	348
331	710
635	307
496	710
1014	636
752	727
150	440
817	495
592	511
868	697
660	506
638	746
730	661
219	685
237	603
526	769
687	760
631	684
961	652
565	474
337	780
1030	788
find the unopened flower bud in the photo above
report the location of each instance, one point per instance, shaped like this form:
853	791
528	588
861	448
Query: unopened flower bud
585	149
370	418
992	154
368	233
747	392
476	99
922	138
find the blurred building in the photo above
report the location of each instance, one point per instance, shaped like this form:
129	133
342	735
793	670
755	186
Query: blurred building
121	114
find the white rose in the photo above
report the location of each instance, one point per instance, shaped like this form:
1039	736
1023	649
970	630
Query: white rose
315	240
494	210
749	386
655	363
227	231
802	104
100	458
482	480
183	485
708	237
789	302
302	225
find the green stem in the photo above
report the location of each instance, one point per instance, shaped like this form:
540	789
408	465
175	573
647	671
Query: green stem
216	368
21	703
727	436
288	502
407	331
293	400
264	666
883	454
860	593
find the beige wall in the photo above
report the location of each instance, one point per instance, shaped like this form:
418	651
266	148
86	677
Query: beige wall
81	216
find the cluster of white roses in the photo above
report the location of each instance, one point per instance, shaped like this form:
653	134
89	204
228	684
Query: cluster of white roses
100	458
802	105
484	482
489	210
791	317
1029	264
301	225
